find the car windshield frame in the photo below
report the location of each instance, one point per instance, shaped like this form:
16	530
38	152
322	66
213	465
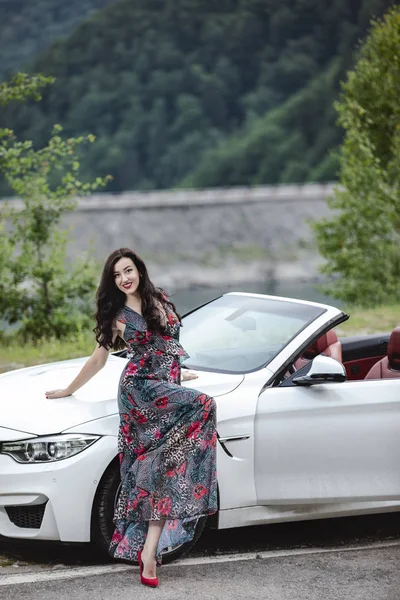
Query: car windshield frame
313	310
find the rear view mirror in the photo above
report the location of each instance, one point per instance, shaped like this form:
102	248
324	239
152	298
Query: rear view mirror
323	369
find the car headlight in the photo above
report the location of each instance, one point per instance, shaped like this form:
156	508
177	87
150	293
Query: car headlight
47	449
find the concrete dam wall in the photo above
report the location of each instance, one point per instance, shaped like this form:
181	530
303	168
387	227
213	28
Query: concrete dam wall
207	237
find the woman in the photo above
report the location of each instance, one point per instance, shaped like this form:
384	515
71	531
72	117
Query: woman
167	436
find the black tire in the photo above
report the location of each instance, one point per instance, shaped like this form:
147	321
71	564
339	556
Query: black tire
102	526
103	511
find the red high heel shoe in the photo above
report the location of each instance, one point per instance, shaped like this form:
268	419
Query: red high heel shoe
151	582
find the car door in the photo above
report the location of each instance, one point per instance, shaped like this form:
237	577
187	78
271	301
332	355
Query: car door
328	442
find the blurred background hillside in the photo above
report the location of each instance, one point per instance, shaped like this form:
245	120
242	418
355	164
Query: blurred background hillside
188	93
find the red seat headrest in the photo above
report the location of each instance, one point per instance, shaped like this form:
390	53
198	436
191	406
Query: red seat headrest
321	344
393	351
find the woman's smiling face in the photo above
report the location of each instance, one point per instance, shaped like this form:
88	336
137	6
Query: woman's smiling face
126	276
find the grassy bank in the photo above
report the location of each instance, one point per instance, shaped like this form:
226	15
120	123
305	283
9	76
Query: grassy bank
370	320
14	354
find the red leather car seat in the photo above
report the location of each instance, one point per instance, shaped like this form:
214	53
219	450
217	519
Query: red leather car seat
389	366
328	344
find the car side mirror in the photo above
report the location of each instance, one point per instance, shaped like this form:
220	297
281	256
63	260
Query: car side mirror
323	369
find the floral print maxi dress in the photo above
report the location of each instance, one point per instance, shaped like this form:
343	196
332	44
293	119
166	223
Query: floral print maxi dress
167	442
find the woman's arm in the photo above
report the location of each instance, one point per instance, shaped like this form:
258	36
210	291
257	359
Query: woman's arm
93	365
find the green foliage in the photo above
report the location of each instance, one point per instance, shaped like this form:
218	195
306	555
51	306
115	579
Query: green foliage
362	241
23	86
39	293
285	145
29	27
165	82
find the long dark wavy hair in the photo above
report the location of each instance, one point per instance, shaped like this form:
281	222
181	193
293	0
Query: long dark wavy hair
110	300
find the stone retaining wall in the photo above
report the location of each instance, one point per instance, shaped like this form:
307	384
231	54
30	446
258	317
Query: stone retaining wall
200	237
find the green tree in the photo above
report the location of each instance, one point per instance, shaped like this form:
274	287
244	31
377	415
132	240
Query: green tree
361	242
39	293
23	86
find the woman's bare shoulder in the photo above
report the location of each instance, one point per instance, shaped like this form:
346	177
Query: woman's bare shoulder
118	323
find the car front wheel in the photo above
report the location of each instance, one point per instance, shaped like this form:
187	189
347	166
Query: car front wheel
103	512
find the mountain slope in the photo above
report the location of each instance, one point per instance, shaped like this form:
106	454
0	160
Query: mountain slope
164	82
291	143
29	26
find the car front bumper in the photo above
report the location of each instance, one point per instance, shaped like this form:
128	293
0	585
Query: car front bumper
53	501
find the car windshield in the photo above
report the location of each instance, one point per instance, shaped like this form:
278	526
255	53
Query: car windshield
239	334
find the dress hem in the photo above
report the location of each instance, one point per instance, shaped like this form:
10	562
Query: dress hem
187	517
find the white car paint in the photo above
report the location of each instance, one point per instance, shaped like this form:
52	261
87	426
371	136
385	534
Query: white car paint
346	437
68	486
286	453
26	404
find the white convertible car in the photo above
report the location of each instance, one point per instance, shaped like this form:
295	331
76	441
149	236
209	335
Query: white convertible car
308	425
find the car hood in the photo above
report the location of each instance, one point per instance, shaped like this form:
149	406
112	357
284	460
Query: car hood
25	409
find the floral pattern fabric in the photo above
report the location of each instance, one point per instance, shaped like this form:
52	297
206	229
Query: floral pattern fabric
167	442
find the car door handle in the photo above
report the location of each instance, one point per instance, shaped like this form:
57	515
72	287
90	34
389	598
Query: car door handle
233	438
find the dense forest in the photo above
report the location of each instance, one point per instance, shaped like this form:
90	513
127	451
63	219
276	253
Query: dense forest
29	26
201	93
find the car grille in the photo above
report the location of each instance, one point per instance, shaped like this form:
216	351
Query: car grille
29	517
